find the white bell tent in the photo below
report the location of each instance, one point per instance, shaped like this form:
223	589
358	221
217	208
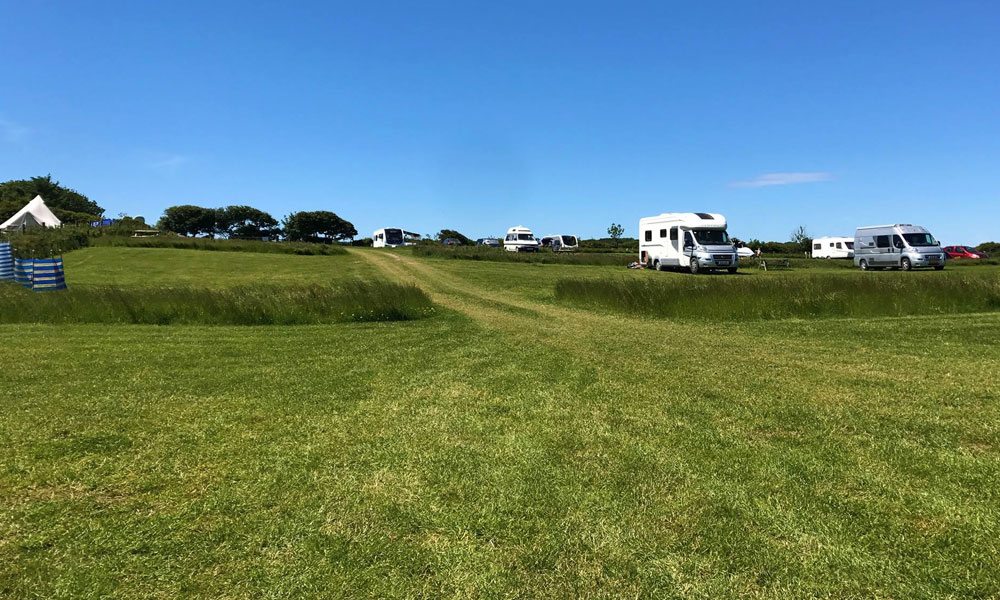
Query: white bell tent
34	214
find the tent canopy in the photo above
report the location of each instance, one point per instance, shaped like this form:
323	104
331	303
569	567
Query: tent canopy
34	214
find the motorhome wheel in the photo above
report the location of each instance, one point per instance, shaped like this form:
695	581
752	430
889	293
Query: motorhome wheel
863	264
939	268
905	264
695	267
731	269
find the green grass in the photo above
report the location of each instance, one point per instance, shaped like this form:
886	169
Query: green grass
242	305
510	446
162	266
188	243
484	253
780	297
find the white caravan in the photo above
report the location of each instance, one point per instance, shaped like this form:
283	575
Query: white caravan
560	243
696	241
901	246
833	247
393	237
520	239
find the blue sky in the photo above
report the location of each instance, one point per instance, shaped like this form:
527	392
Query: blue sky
562	116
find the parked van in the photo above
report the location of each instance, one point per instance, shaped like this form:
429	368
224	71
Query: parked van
560	243
901	246
695	241
391	237
520	239
833	247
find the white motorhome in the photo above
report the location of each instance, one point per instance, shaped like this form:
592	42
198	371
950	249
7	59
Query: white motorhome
900	246
393	237
520	239
696	241
833	247
560	243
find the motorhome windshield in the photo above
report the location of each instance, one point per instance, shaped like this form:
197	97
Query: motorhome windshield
850	245
711	236
526	237
920	239
393	236
569	240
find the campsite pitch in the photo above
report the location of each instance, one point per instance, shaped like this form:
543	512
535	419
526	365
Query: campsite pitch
512	445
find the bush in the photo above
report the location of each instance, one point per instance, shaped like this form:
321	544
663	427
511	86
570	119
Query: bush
990	248
41	242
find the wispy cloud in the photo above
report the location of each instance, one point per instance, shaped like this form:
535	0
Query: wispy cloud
783	179
170	162
11	131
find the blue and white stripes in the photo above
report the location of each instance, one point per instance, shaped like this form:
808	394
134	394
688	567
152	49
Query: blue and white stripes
47	274
6	262
22	271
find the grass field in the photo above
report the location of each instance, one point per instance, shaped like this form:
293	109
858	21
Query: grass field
809	295
164	266
510	446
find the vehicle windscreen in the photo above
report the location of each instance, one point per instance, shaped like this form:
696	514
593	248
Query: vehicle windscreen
708	237
967	249
850	245
569	240
526	237
393	236
920	239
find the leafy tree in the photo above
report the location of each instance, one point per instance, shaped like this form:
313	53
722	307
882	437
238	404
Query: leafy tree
615	232
188	220
245	222
317	225
75	206
800	239
451	233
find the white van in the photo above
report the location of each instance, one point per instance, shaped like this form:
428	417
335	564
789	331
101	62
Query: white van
520	239
900	246
560	243
696	241
833	247
393	237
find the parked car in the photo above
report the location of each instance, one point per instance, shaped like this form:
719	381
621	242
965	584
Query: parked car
491	242
744	252
963	252
452	242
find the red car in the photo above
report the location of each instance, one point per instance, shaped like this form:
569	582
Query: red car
963	252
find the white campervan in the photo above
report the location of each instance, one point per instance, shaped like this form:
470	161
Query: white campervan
520	239
833	247
695	241
560	243
393	237
901	246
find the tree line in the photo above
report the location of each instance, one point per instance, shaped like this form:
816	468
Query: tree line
247	222
70	206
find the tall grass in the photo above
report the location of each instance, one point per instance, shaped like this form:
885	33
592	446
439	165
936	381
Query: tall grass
779	297
245	305
486	253
187	243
